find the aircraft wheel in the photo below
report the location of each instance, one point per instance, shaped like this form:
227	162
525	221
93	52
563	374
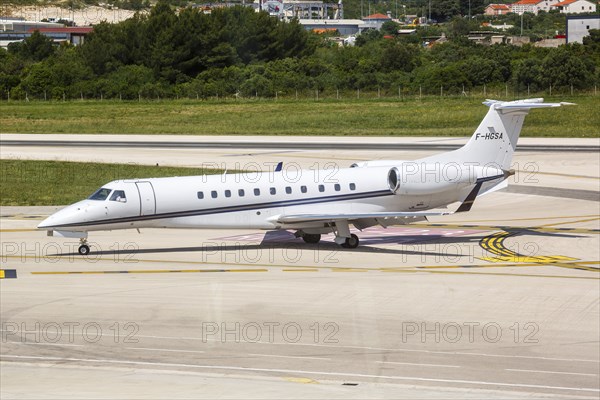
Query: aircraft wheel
84	250
311	238
351	242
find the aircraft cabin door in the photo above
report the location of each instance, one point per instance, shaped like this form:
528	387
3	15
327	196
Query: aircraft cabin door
147	198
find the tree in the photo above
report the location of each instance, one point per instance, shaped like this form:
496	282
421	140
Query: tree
390	28
34	48
443	10
471	7
528	73
561	68
10	71
38	80
367	36
399	56
592	45
480	71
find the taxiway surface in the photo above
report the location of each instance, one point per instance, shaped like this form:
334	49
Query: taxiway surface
502	302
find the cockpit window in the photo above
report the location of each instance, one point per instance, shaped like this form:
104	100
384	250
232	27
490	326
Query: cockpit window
119	195
100	194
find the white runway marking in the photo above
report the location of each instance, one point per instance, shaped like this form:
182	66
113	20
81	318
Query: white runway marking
421	365
49	344
365	348
550	372
171	350
292	371
381	349
278	356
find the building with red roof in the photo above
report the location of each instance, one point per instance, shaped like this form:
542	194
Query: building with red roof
497	9
72	34
575	6
532	6
375	21
377	17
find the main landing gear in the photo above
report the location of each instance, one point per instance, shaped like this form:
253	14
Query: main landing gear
343	237
351	242
83	249
311	238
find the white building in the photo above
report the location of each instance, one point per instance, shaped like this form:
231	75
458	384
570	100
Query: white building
375	21
579	26
532	6
523	6
344	27
575	6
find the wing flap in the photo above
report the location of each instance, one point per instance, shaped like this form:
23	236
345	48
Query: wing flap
296	218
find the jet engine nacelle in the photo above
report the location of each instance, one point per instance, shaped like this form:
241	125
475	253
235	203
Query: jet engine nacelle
412	178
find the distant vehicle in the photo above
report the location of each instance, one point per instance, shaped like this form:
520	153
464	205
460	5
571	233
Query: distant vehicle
381	192
350	41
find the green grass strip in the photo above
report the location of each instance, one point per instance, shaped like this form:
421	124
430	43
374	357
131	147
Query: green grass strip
429	116
40	183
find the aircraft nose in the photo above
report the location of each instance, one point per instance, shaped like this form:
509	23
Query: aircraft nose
52	220
45	223
62	217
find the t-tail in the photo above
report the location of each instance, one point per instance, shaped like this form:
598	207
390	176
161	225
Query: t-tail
495	140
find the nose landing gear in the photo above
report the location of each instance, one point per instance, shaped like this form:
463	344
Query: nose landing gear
83	249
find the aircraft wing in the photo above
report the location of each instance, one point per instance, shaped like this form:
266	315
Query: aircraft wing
296	218
332	217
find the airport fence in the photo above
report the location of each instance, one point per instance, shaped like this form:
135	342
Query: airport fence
504	92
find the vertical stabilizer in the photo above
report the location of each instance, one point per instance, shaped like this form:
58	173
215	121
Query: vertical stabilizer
495	140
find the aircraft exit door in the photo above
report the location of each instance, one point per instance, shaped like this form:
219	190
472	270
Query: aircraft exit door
147	198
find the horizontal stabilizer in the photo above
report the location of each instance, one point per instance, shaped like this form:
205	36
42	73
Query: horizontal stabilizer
526	104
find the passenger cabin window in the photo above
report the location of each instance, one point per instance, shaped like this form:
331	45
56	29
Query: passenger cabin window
288	190
352	186
213	194
100	194
257	192
241	193
273	190
200	195
321	188
337	187
119	195
228	193
303	189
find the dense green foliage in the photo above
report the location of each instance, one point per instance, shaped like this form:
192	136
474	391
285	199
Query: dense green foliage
238	52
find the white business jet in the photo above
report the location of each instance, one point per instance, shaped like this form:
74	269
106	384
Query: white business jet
314	202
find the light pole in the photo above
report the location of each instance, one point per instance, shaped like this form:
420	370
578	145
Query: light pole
429	19
522	24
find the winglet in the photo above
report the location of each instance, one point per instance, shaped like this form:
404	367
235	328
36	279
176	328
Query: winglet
279	166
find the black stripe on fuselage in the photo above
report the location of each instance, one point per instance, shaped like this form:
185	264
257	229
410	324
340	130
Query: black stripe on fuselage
228	209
